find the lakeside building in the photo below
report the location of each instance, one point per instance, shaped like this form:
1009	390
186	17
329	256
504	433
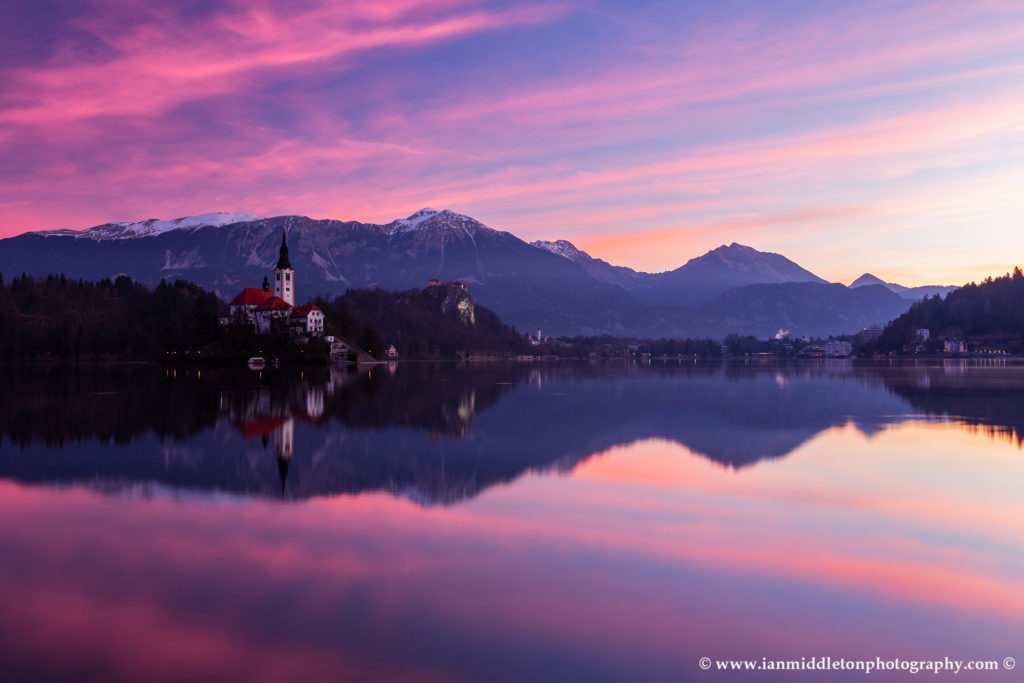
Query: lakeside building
833	348
954	346
836	347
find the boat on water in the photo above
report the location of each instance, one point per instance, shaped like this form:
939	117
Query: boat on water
257	363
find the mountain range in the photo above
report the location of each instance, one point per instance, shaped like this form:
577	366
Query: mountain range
550	285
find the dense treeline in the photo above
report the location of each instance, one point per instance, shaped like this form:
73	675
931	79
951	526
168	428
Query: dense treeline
993	309
420	323
59	318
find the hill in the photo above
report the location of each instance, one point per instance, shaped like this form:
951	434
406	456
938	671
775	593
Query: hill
992	310
914	293
435	322
765	310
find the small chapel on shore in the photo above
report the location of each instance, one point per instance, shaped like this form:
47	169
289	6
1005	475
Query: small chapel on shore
269	311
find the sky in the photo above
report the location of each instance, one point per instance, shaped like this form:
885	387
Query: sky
885	137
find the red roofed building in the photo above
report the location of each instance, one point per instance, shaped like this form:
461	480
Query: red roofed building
274	308
251	296
242	309
307	319
274	304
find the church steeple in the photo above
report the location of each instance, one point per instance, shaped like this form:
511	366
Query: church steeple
282	262
284	276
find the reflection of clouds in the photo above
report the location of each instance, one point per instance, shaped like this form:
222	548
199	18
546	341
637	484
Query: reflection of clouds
840	513
644	558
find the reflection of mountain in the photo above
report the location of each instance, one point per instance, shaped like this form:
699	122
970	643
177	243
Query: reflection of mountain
442	433
441	399
955	389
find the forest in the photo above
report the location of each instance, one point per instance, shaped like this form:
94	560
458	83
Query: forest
990	311
419	323
60	318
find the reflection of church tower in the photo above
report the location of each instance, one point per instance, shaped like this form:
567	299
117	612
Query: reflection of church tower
284	446
314	401
284	276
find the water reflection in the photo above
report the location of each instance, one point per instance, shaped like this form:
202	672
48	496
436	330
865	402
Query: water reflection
729	511
441	433
645	560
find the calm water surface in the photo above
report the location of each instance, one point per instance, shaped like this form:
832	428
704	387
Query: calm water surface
508	522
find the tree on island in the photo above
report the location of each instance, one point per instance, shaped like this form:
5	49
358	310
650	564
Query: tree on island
435	322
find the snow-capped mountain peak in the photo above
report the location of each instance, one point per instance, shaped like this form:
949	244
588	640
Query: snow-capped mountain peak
431	221
563	248
414	220
153	226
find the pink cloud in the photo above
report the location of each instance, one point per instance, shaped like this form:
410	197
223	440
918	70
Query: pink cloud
161	64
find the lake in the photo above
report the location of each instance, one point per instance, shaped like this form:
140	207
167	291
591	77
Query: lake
558	521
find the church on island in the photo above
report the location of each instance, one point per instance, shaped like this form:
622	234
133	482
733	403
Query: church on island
274	312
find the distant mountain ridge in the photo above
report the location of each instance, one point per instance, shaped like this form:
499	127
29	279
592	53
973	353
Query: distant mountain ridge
704	277
552	285
155	226
694	283
913	293
627	278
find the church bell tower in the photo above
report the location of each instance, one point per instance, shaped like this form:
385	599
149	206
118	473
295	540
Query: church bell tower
284	276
